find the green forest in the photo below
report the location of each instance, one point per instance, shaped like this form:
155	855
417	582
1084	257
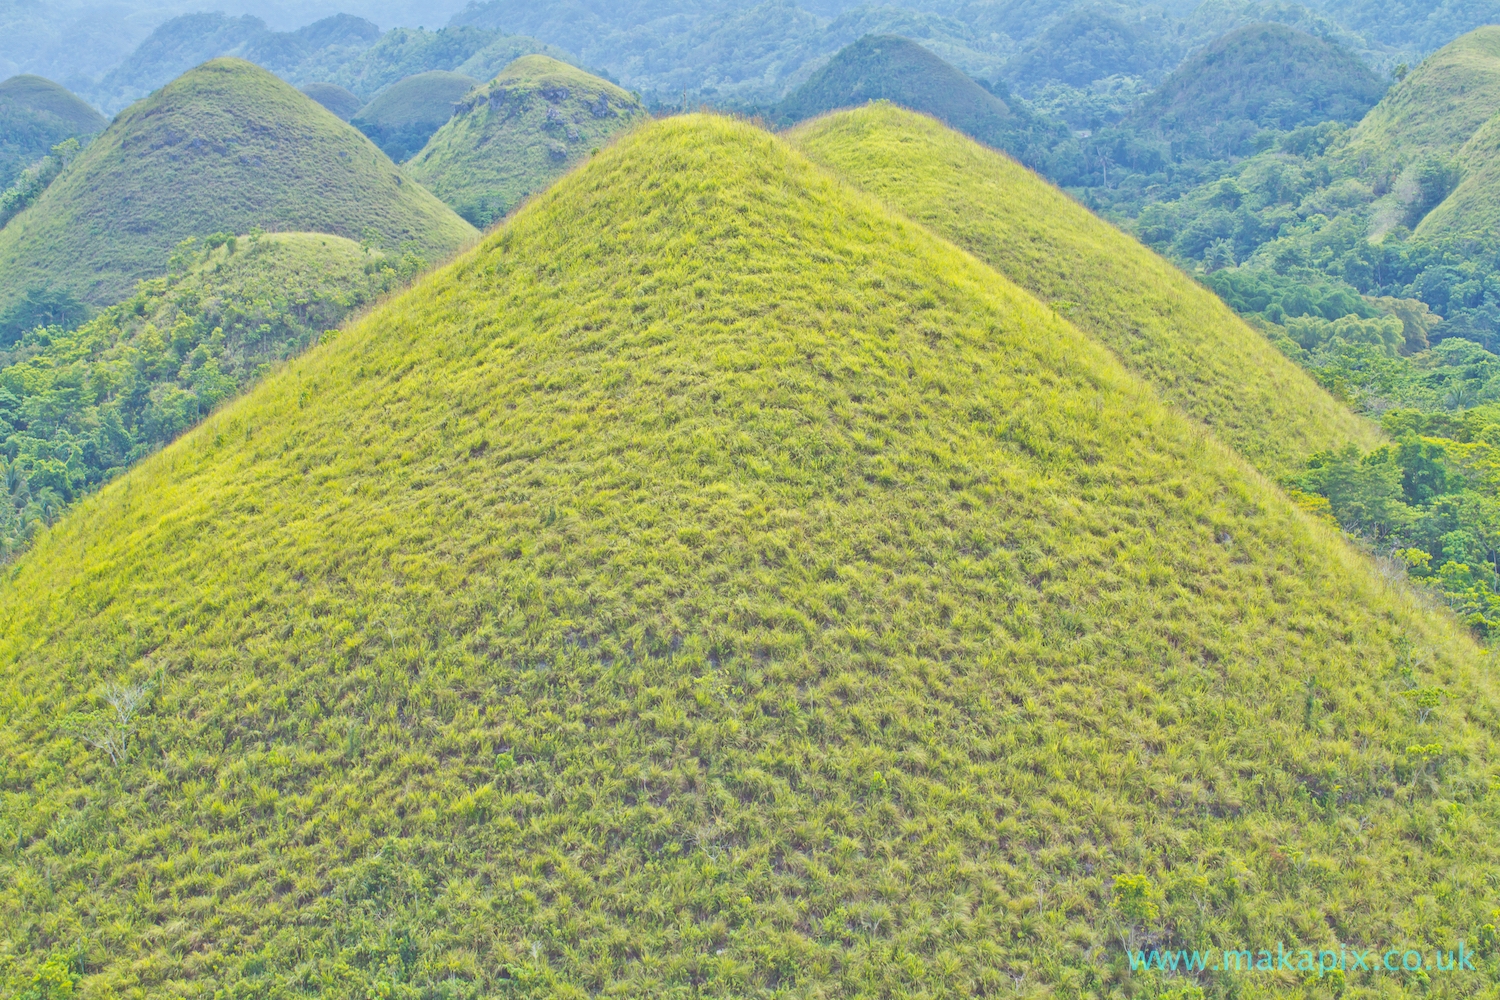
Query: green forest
792	500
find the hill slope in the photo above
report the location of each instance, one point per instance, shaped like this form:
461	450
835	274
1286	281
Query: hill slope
225	147
339	102
714	585
1473	209
523	130
1439	106
229	310
35	115
884	67
403	116
1262	76
1176	334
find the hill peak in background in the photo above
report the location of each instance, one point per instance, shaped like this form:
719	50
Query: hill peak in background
225	147
403	116
890	68
340	103
515	135
35	115
1261	77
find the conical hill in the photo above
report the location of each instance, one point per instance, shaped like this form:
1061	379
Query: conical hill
891	68
225	147
403	116
35	115
1164	326
714	584
1438	107
519	133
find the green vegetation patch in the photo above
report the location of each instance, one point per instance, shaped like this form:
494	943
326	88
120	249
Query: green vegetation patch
1259	79
1164	326
35	115
342	104
519	133
79	405
885	67
226	147
404	115
714	584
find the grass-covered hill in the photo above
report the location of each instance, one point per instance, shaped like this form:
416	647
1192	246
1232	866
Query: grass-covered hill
336	99
885	67
35	115
1170	330
403	116
1257	78
715	585
520	132
1439	106
226	147
77	406
1472	210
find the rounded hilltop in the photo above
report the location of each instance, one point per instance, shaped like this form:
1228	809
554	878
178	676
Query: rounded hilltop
35	115
402	117
529	125
226	147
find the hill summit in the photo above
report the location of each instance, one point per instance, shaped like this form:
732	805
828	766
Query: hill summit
1258	77
514	136
714	584
1164	326
403	116
35	115
225	147
895	69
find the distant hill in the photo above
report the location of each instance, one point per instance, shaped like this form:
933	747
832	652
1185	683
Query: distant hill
1256	78
1412	144
520	132
1472	210
1088	43
404	115
336	99
884	67
717	585
35	115
226	147
346	51
1164	326
1439	106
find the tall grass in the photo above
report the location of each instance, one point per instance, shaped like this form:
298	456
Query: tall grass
717	585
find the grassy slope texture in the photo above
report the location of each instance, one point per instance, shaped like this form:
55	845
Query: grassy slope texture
885	67
225	147
1437	108
339	102
524	129
716	585
1179	336
35	115
403	116
1473	209
1261	76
